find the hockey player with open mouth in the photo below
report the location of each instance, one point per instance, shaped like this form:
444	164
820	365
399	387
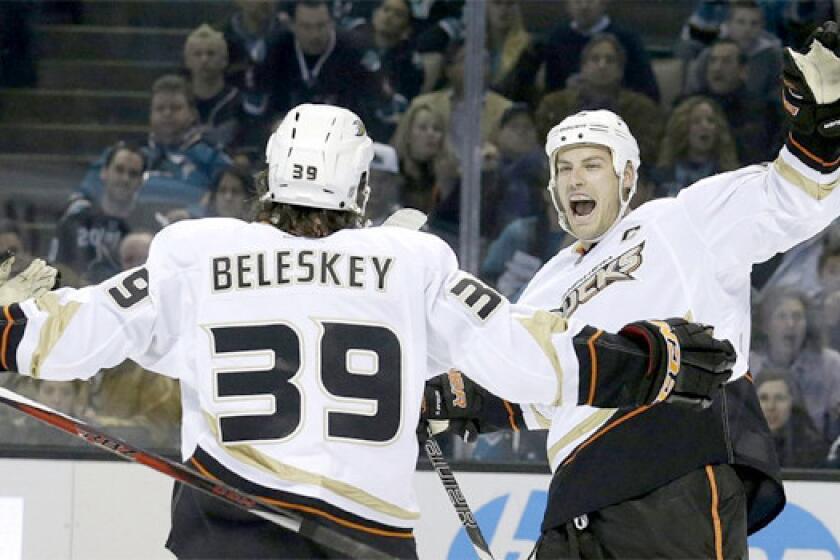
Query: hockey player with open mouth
671	481
303	341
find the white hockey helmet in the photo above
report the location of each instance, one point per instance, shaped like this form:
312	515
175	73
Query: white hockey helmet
601	128
320	157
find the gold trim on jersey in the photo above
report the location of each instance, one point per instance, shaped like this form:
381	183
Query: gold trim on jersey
58	317
587	425
543	325
811	187
250	456
543	421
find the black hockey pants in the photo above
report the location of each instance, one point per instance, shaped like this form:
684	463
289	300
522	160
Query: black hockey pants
700	515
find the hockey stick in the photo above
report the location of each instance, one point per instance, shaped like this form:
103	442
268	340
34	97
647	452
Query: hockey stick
456	496
256	505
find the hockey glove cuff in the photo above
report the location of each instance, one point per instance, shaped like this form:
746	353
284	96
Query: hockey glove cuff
686	363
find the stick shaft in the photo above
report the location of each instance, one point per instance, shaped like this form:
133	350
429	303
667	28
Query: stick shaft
319	533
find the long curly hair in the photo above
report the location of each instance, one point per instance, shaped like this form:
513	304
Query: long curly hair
675	141
301	220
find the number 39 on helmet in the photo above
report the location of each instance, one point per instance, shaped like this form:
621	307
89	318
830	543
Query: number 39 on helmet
320	157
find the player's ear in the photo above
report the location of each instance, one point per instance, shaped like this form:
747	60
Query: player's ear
627	178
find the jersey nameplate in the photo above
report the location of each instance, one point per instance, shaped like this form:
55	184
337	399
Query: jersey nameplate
284	268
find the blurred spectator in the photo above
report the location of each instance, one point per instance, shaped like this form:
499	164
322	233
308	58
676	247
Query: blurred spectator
449	103
421	144
10	240
232	195
798	443
89	233
793	20
388	49
251	33
829	279
63	396
134	249
566	42
522	170
603	62
697	143
17	45
386	193
755	121
514	58
218	103
763	52
794	344
318	65
522	248
181	163
701	29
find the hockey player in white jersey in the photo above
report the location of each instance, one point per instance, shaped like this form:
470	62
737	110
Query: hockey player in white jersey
303	343
667	481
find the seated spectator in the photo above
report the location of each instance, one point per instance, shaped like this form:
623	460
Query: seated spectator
218	103
793	20
522	248
421	144
566	41
793	343
798	443
11	240
318	65
134	249
448	103
514	60
89	233
522	170
602	69
763	51
232	195
697	143
755	121
388	49
701	29
180	163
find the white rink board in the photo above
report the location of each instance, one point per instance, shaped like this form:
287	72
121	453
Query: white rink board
88	510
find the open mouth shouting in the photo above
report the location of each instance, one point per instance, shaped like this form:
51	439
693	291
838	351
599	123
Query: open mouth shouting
582	207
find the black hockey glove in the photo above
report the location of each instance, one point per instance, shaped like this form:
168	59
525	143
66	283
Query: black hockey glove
686	364
451	403
811	99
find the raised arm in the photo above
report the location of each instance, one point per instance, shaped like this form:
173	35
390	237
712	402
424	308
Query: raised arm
749	215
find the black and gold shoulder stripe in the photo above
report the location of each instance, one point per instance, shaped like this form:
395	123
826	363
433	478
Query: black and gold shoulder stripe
12	323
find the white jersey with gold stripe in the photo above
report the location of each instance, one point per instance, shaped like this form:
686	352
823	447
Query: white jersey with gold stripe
689	256
303	361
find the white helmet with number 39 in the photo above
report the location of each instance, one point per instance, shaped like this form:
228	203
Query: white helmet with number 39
320	157
600	128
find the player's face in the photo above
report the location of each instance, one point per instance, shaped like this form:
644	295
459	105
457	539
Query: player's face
313	28
230	197
786	331
123	176
776	403
425	136
702	130
170	116
587	189
205	59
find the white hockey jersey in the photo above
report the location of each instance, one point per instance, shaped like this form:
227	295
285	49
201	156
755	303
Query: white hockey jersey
688	256
303	361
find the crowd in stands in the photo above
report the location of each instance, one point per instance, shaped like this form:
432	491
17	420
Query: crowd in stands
400	65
